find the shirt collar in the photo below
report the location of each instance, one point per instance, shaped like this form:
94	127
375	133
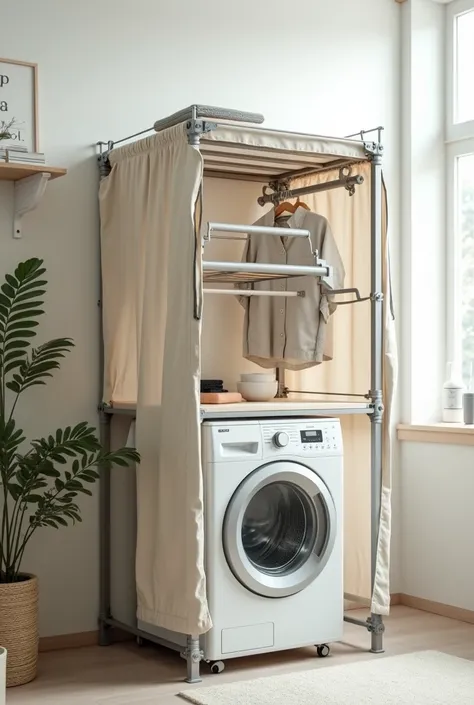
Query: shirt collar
297	219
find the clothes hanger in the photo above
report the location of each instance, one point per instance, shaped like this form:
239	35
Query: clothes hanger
286	206
301	204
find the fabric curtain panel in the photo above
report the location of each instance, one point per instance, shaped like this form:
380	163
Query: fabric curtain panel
152	294
349	371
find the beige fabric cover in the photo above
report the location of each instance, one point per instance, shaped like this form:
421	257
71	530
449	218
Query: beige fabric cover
238	149
151	299
349	371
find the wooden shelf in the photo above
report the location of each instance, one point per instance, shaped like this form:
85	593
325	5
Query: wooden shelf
15	172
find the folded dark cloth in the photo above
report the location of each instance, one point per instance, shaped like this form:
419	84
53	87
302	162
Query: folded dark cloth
212	385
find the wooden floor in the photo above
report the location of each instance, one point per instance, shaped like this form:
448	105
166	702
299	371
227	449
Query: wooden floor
124	674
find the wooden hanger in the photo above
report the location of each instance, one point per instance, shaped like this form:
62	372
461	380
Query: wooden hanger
301	204
288	207
285	206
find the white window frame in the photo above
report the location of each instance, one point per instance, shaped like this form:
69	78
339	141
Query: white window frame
455	130
459	142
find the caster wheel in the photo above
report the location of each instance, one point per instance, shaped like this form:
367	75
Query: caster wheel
217	666
323	650
139	641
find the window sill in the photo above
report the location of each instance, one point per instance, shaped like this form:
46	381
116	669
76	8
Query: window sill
446	433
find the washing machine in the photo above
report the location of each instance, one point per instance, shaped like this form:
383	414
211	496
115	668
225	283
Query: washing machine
273	492
273	523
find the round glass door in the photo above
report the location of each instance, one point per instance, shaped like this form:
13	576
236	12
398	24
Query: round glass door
279	529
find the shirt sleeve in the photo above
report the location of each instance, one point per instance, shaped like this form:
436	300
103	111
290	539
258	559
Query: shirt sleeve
330	253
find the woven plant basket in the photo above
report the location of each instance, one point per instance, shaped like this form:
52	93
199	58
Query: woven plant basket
19	628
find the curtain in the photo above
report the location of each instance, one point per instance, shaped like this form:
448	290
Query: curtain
152	293
349	372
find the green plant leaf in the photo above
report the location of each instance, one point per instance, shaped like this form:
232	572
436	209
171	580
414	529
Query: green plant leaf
50	522
84	490
74	485
50	472
15	490
11	280
8	290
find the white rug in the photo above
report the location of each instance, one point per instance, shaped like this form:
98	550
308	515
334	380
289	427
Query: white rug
423	678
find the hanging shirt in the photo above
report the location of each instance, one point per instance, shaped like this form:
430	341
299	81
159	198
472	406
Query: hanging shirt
291	332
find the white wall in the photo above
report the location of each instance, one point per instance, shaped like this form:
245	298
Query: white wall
107	70
438	523
436	480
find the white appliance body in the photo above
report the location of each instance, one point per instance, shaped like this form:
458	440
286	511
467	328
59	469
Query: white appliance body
273	535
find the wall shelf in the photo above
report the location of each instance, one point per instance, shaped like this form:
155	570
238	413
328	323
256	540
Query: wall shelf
30	184
15	172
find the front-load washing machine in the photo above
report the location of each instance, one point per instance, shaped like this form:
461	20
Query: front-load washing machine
273	494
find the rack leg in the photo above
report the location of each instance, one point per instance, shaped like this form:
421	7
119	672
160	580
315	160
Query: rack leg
104	524
376	628
194	656
375	623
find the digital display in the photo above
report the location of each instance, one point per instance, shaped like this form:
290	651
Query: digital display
311	436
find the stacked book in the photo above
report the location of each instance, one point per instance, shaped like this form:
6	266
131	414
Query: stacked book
4	151
20	155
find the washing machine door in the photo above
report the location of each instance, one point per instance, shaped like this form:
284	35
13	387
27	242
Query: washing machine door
279	529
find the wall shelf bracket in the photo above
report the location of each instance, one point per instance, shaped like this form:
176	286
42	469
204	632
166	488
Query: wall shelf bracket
28	193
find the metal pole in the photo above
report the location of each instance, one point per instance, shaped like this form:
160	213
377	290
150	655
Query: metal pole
375	622
193	656
255	292
255	230
285	270
349	183
104	524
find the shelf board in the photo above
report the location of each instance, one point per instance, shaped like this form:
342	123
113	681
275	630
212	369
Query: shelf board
15	172
276	407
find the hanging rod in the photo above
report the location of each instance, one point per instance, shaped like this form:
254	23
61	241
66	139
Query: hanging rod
347	182
362	133
282	270
111	143
254	230
253	292
327	394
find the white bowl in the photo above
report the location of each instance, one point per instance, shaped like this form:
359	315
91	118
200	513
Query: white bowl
258	391
258	377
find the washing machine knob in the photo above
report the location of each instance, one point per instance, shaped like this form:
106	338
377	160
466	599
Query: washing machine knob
281	439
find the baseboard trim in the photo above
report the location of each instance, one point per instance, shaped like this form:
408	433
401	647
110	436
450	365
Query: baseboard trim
450	611
75	641
78	640
68	641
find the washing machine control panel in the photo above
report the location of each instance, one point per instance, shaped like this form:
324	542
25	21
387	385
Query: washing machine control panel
302	437
281	439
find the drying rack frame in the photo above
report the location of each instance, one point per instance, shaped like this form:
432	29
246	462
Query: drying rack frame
200	120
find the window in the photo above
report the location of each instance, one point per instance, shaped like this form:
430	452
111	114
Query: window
460	168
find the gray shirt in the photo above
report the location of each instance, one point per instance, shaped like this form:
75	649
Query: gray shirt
291	332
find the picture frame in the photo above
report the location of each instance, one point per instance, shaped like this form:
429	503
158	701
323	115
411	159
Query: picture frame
19	102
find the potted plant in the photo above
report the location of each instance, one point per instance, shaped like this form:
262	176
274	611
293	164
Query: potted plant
40	481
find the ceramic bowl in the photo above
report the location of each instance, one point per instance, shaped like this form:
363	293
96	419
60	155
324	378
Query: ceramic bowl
258	391
258	377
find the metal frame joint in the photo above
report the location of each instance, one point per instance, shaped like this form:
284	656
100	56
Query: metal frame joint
193	655
374	150
376	398
375	624
196	127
